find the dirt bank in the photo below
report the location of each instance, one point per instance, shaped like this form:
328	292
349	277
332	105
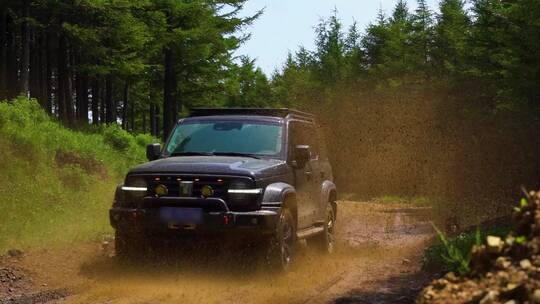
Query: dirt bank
377	261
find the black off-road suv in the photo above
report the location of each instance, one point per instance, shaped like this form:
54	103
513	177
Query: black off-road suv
260	173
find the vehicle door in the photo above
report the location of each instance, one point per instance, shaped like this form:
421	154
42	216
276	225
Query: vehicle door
307	179
325	171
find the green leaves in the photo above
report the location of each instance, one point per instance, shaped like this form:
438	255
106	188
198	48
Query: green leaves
459	258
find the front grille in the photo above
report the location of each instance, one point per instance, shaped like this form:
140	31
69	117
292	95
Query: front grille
220	185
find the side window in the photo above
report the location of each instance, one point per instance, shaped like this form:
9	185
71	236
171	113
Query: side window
303	134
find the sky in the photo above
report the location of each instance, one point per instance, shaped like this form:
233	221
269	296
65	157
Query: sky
288	24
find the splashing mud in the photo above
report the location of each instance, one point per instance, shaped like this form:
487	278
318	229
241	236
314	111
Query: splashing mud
376	243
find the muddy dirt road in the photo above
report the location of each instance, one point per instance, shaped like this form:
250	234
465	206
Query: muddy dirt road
377	261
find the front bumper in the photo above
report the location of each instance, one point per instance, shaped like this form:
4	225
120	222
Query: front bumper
148	220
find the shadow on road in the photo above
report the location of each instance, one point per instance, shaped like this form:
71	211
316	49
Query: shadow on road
399	289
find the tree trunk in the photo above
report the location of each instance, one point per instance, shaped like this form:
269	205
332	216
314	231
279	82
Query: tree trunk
111	106
153	122
65	96
35	65
132	118
12	80
25	60
3	52
95	102
82	98
49	73
169	94
143	123
102	108
43	88
126	106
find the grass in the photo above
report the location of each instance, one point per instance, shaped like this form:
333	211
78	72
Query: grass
454	254
57	184
393	199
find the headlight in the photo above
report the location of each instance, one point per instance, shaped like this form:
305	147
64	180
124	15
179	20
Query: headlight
241	192
242	187
136	187
244	191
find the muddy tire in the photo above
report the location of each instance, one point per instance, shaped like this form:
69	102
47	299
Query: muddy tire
127	247
281	247
325	241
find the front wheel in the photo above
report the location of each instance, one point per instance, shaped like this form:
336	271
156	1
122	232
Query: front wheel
282	245
127	247
325	241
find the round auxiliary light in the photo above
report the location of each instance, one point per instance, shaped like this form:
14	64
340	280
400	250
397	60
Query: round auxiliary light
161	190
207	191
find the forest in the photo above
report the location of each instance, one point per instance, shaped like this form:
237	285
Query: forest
441	101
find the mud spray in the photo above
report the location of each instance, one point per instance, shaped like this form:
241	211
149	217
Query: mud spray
375	243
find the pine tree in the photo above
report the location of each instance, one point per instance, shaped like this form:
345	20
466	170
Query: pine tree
452	38
330	50
423	36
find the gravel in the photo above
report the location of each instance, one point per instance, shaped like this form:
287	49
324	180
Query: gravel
505	271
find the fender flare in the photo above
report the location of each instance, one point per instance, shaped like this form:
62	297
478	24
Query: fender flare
275	194
329	194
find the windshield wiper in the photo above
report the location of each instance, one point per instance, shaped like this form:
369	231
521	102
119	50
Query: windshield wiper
235	154
192	154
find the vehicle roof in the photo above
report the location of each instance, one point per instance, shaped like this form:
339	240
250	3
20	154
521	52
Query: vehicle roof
253	112
235	117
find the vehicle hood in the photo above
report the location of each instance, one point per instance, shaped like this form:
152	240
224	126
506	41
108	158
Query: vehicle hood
219	165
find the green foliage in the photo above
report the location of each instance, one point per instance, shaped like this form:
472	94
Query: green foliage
393	199
117	138
454	254
57	184
457	254
247	86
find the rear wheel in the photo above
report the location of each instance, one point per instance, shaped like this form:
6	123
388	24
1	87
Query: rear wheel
282	245
325	241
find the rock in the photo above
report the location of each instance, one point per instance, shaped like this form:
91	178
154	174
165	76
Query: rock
494	244
477	296
439	284
525	264
536	296
510	240
14	253
490	297
503	263
504	270
405	261
451	277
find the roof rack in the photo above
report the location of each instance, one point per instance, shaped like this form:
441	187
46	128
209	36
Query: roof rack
278	112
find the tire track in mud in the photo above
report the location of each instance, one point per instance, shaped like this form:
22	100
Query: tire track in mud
377	261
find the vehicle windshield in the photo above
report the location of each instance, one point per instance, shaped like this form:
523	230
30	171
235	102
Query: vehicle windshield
226	137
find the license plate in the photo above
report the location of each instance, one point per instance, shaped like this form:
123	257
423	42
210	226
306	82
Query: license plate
181	216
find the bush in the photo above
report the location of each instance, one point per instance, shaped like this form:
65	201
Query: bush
117	138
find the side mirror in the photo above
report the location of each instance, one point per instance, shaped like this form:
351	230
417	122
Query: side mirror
153	151
302	156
